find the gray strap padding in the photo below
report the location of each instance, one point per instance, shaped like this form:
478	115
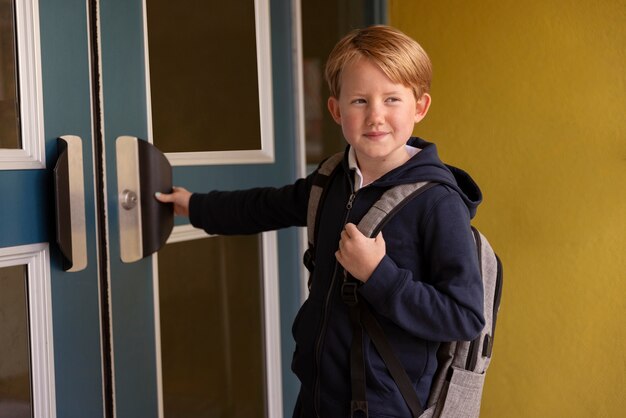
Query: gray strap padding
323	174
391	201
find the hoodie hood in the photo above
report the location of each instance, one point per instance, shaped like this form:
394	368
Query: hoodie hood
427	166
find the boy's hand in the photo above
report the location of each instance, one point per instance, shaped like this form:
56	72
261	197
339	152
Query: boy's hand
358	254
179	197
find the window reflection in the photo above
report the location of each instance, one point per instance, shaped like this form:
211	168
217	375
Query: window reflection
15	395
203	76
211	315
9	115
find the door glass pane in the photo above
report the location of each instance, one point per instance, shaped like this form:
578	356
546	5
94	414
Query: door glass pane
9	115
211	311
15	395
203	75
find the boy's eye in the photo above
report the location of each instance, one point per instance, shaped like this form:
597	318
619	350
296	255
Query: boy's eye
358	101
393	99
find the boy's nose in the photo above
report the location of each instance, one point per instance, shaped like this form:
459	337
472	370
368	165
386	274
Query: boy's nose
375	116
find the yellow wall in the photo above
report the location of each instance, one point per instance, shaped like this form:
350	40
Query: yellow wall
530	98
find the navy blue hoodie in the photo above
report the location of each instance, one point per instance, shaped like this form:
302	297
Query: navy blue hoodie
426	290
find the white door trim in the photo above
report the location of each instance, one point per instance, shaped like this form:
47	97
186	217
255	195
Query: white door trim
37	260
271	322
271	306
300	156
266	107
32	155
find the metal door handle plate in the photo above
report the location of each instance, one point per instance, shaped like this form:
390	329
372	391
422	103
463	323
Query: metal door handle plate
144	223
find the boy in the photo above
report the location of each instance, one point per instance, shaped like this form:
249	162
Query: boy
420	275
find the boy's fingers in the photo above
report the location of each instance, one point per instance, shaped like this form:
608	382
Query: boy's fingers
169	197
163	197
352	230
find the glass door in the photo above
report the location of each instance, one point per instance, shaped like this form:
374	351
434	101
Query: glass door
194	330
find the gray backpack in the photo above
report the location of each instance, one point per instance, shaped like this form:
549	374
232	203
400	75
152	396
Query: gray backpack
457	386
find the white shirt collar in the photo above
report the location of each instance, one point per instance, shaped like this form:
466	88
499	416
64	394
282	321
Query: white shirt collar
358	177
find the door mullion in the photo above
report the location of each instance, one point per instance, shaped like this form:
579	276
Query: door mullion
101	224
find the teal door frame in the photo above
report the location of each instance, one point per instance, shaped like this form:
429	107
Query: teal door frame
66	361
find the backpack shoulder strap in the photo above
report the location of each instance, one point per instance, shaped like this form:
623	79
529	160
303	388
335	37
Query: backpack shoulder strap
316	197
391	202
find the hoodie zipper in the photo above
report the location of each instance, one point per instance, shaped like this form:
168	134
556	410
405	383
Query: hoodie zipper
320	337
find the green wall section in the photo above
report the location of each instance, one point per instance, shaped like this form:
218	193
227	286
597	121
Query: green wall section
529	98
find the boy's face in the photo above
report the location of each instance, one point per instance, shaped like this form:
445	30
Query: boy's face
376	115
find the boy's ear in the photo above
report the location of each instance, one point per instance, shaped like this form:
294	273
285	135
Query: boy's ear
333	108
421	107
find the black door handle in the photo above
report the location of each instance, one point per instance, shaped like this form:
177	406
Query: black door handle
69	193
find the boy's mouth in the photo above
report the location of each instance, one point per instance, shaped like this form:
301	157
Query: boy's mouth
375	134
